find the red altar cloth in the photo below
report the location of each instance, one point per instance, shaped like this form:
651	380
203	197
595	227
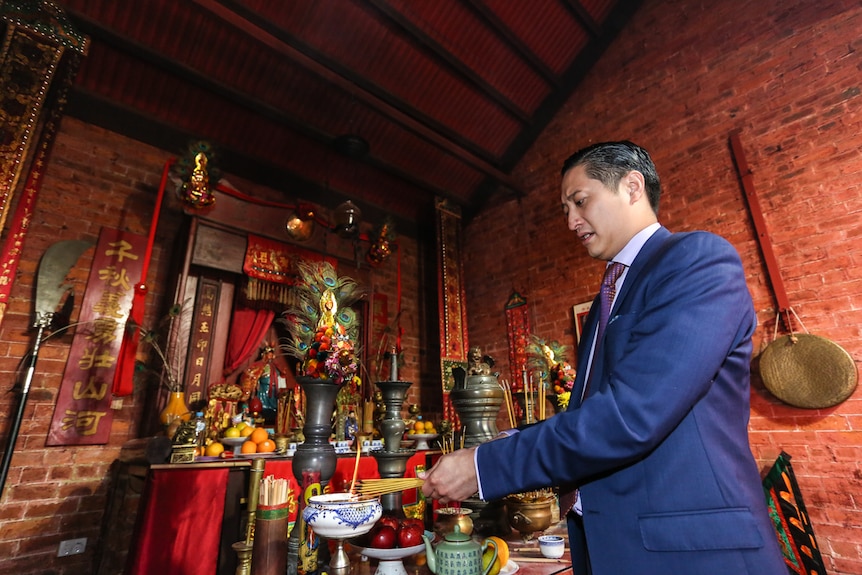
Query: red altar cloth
181	513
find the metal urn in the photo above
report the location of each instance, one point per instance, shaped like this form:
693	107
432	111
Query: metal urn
477	397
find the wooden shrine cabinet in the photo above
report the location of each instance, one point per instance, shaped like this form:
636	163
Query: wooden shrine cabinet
212	277
207	286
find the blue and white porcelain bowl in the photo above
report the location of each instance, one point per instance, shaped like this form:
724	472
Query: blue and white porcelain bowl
338	515
552	546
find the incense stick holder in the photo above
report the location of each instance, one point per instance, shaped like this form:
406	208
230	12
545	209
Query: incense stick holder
392	459
477	402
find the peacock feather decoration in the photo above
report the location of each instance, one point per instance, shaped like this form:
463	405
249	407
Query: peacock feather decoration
323	328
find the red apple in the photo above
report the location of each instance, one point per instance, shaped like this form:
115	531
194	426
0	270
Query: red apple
388	520
410	535
413	521
383	537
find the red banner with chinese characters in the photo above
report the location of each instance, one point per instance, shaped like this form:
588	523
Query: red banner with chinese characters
83	414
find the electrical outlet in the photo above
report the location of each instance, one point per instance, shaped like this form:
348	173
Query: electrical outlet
72	547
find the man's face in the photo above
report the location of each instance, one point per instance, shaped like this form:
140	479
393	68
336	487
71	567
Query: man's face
600	217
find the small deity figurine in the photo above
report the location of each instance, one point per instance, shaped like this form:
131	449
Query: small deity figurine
477	364
197	190
351	426
261	381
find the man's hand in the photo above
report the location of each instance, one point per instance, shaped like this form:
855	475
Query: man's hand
453	478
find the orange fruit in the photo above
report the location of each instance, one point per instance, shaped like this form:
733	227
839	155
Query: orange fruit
232	432
246	431
258	434
266	446
214	449
502	554
419	427
248	447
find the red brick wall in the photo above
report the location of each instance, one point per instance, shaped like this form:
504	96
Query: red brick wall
97	178
678	80
94	179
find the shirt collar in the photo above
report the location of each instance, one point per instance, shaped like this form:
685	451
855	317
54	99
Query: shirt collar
628	254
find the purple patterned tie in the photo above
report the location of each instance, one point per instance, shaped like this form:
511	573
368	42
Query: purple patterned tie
606	300
606	295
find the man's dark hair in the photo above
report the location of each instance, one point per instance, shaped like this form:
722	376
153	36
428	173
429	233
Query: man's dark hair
608	162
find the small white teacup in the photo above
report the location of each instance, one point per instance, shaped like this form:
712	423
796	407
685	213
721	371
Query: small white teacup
552	546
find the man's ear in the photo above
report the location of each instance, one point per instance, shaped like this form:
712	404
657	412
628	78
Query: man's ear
633	184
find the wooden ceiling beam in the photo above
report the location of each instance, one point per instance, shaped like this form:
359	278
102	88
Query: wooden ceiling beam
517	45
584	17
418	36
244	100
227	11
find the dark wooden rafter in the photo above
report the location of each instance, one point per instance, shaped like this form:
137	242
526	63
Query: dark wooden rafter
418	37
243	100
363	91
499	27
584	17
579	68
573	76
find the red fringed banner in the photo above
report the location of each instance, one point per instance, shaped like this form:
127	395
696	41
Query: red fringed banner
271	270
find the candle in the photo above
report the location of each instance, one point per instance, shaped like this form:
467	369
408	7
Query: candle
393	366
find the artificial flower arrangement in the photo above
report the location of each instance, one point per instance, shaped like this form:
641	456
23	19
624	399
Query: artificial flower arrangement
549	358
323	327
562	379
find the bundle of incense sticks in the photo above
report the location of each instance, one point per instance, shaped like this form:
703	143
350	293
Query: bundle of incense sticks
540	386
510	404
375	487
528	397
273	491
447	442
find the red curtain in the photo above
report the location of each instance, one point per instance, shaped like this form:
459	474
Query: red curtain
248	327
179	525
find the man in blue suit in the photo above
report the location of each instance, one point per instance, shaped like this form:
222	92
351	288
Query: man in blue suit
655	438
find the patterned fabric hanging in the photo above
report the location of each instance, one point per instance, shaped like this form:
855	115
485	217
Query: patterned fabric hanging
453	307
518	331
271	269
790	517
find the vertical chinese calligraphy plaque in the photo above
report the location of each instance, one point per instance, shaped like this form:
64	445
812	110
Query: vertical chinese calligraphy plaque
82	415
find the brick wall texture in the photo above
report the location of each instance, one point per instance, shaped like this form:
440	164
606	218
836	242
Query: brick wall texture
679	79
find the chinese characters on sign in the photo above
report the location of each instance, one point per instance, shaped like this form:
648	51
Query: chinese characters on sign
201	340
82	415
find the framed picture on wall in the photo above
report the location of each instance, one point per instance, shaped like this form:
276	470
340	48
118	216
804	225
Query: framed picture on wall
580	312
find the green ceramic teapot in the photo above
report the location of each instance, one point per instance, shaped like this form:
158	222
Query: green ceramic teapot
458	554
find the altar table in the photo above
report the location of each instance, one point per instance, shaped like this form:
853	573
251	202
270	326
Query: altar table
190	514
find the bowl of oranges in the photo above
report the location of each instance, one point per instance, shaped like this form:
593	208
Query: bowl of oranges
422	432
248	440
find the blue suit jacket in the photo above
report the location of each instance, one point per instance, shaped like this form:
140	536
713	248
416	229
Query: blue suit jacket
659	447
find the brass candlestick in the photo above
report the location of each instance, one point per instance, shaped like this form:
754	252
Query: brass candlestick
254	477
